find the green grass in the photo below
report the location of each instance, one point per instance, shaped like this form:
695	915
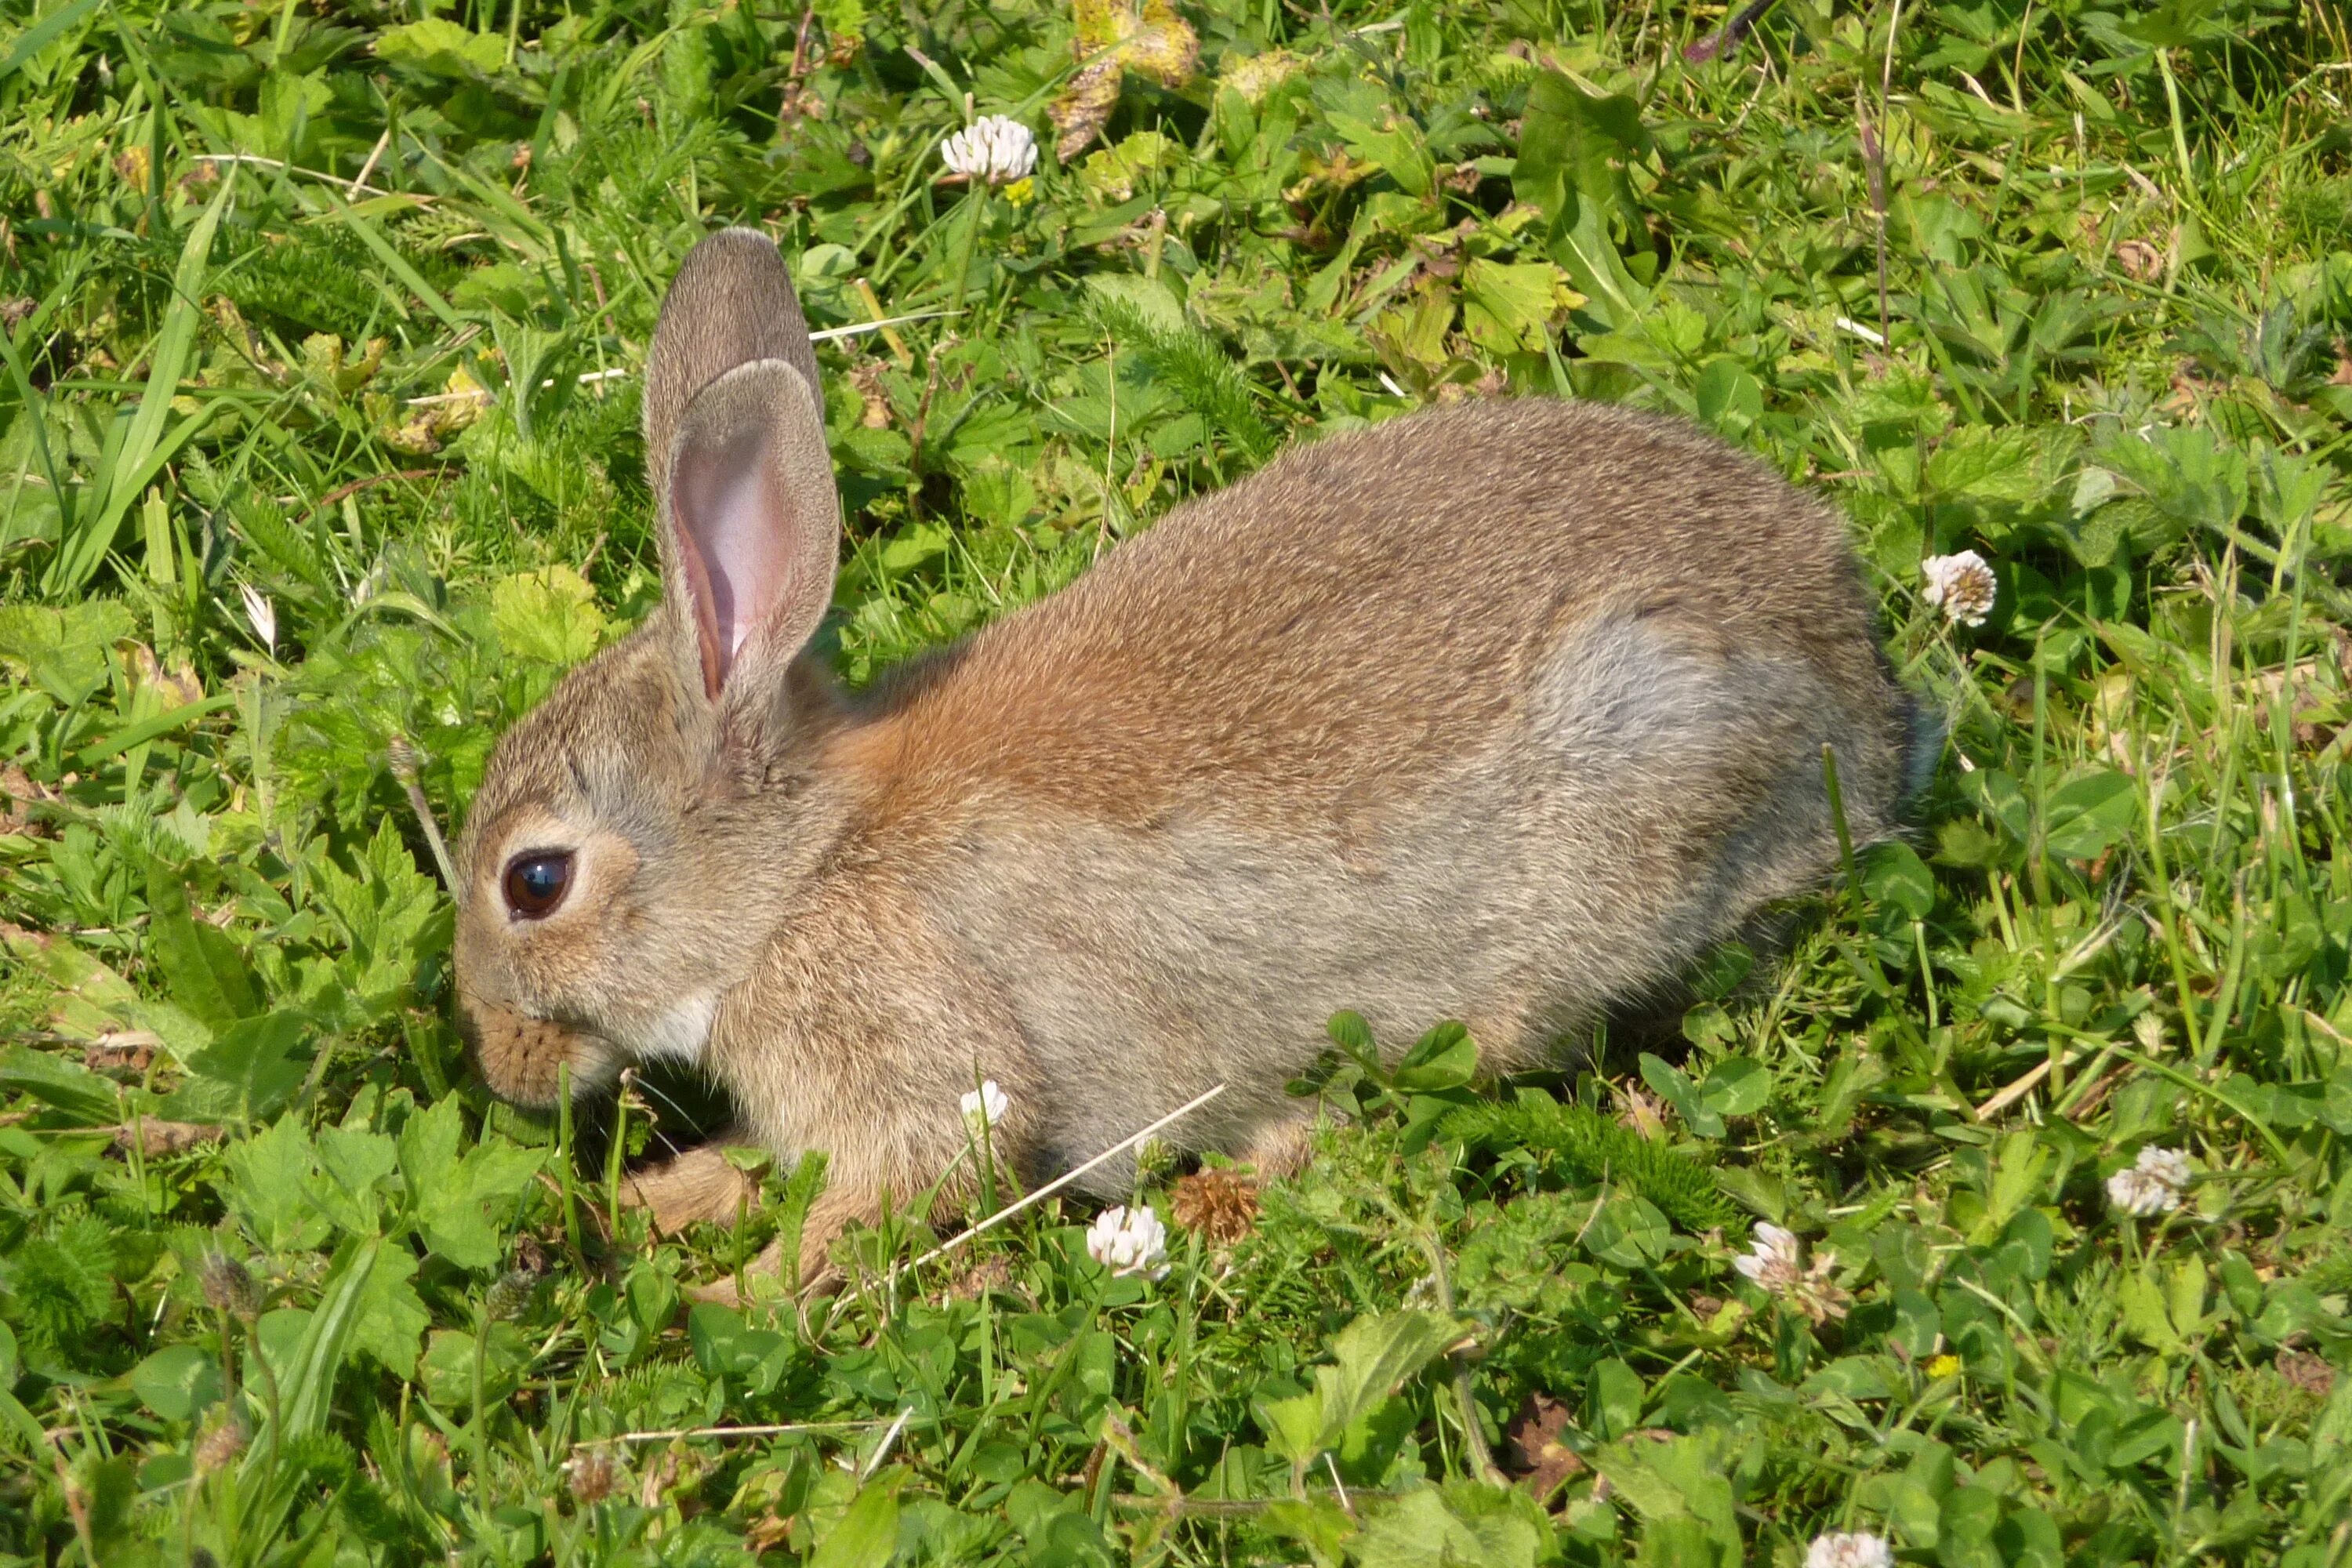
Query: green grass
2108	353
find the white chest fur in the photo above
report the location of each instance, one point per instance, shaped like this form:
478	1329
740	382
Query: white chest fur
679	1033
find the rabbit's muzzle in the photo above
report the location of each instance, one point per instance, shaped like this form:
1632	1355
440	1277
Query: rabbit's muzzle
522	1057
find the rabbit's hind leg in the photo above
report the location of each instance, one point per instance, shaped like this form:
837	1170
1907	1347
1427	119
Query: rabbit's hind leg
698	1184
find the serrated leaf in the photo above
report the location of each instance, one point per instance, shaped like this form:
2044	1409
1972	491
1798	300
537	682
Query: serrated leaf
392	1317
460	1203
269	1180
550	615
443	47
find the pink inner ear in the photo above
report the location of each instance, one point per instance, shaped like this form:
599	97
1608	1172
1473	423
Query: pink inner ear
734	518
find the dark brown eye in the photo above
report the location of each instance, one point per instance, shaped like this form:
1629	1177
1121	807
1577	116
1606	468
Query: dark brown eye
535	884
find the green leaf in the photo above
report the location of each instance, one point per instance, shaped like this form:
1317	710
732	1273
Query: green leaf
1737	1086
68	650
2087	815
177	1381
1511	307
136	450
69	1087
1446	1057
306	1387
1294	1426
355	1163
461	1203
1896	877
1573	142
392	1317
866	1535
249	1070
441	47
1627	1232
206	972
550	615
1672	1084
1727	397
1374	1355
270	1178
1460	1525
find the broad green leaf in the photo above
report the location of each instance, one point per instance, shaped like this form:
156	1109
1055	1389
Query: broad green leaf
461	1202
866	1535
1294	1426
1373	1356
69	1087
1896	877
1482	1527
1510	307
177	1381
270	1177
2087	815
1737	1086
1446	1057
355	1163
550	615
249	1070
206	972
1627	1232
441	47
67	650
392	1317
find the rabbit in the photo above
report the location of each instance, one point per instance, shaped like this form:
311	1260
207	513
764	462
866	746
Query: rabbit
1502	713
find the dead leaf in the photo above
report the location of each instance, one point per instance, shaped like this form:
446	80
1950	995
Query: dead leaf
121	1053
865	376
2141	262
155	1137
1533	1446
1113	39
2307	1371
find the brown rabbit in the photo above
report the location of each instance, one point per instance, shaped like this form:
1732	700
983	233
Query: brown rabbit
1505	714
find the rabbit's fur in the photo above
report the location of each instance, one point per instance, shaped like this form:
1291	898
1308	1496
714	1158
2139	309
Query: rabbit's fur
1502	713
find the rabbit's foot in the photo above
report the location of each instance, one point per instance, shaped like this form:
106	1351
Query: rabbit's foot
699	1185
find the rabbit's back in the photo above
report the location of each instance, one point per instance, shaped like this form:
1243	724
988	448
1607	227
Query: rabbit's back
1501	713
1364	611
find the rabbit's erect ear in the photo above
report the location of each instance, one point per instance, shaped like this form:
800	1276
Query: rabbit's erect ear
750	522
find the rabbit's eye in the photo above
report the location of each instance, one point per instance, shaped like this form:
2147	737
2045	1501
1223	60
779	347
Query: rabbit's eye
535	884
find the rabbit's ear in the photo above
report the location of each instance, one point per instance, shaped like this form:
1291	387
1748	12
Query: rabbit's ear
750	522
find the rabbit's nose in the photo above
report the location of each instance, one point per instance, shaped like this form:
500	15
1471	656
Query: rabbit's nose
522	1057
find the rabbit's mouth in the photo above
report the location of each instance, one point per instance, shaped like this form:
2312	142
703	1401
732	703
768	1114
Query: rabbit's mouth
522	1058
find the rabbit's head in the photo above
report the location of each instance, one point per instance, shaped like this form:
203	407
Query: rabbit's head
635	836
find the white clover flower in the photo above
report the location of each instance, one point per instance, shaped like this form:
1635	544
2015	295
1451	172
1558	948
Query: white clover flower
261	614
1843	1549
2167	1165
1129	1241
992	149
2138	1192
1776	1261
986	1106
1961	584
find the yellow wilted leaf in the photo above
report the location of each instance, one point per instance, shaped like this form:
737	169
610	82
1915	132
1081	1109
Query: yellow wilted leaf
1114	37
433	419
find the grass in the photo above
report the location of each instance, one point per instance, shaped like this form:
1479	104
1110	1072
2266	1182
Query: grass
318	429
